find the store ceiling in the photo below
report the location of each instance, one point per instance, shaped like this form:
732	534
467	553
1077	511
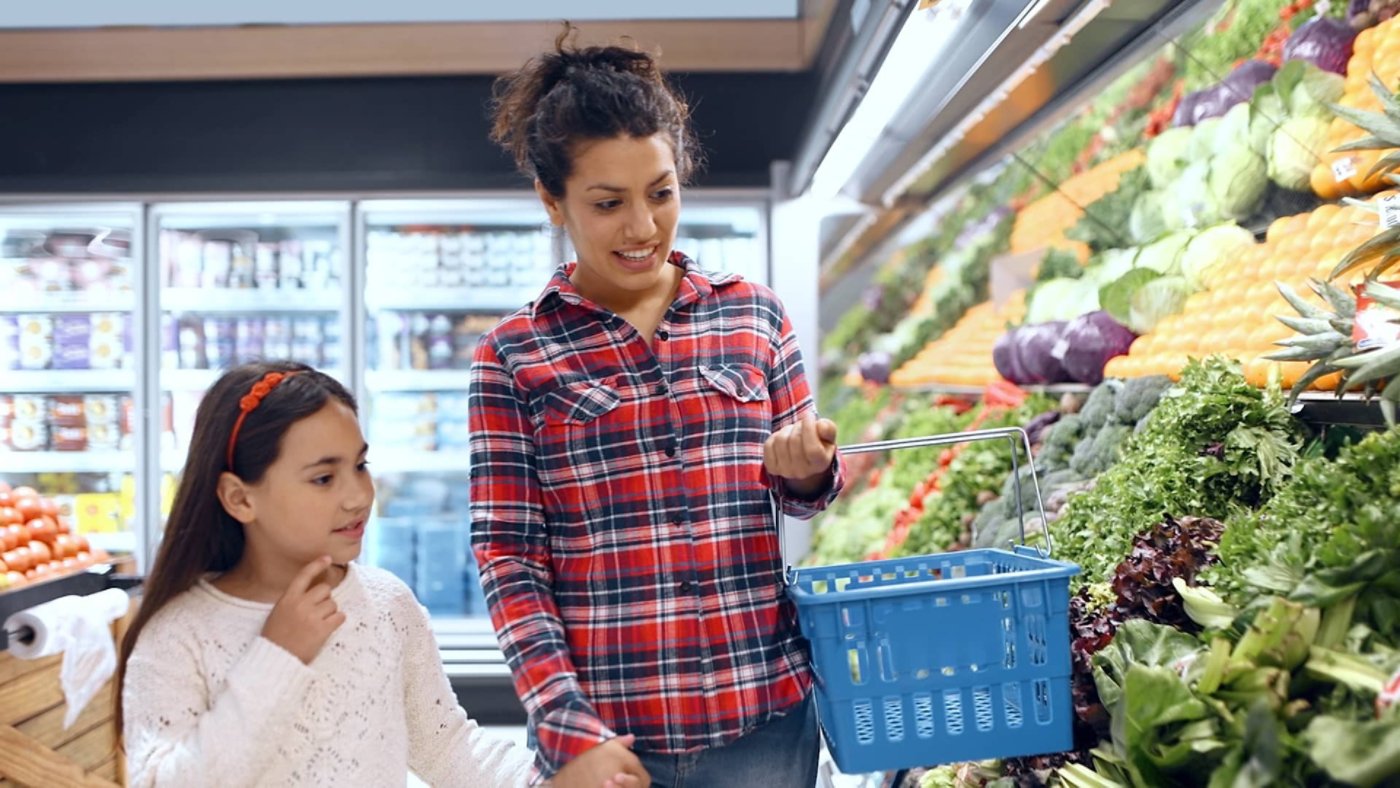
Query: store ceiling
170	13
144	40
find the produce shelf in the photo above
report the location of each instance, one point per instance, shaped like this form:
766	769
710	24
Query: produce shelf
1324	409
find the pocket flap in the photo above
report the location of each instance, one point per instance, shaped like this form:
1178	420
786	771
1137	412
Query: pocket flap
743	382
582	401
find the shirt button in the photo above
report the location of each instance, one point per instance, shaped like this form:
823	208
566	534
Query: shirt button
686	585
662	390
670	450
663	334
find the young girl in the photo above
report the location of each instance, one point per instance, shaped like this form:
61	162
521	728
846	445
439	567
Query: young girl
261	655
628	429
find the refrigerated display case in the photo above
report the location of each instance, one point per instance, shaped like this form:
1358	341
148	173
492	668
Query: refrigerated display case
438	275
69	390
240	281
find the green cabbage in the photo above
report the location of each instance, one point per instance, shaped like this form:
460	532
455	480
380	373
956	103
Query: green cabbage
1166	156
1238	181
1202	140
1233	131
1314	92
1294	150
1216	246
1113	264
1155	300
1164	256
1189	203
1062	299
1146	223
1265	114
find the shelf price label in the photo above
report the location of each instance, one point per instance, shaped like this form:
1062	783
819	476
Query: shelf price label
1390	212
1375	325
1344	168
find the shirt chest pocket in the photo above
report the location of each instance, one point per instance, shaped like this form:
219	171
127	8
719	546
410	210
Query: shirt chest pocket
580	402
742	382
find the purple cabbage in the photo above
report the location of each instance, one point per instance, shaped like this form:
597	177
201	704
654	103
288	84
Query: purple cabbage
1006	359
1184	110
1088	342
874	367
1216	100
1034	347
1325	42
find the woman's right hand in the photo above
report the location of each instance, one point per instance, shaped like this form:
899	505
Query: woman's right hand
611	764
304	618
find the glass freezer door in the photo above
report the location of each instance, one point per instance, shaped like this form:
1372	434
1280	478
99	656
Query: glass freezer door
68	365
438	275
241	282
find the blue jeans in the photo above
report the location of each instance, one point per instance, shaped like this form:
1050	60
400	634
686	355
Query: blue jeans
780	754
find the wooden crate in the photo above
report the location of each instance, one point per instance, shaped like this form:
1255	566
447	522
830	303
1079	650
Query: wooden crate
35	750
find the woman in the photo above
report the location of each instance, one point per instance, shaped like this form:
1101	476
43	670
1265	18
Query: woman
628	429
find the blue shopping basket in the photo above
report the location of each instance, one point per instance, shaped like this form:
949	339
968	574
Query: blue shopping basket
941	658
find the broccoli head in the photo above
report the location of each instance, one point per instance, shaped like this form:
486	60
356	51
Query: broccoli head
1138	397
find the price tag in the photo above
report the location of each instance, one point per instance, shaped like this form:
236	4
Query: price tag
1375	325
1344	168
1390	212
1389	695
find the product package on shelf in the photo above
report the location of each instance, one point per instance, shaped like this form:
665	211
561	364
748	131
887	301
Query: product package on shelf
421	533
195	260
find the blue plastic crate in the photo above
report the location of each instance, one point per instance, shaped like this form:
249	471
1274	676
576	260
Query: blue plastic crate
940	658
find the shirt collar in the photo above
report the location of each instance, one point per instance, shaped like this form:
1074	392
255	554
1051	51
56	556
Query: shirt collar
696	284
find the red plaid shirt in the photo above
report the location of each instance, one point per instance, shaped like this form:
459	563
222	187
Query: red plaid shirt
621	516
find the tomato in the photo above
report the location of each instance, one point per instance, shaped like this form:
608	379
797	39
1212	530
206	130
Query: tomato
40	571
5	489
18	534
17	559
71	565
28	507
84	558
64	547
82	544
9	514
7	498
16	579
41	552
4	570
48	508
25	492
41	530
64	527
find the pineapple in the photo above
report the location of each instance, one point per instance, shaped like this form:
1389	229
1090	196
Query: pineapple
1325	337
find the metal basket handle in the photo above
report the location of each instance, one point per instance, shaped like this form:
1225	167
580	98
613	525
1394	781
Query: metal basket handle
1015	436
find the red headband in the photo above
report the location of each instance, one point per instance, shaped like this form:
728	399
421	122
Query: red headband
250	403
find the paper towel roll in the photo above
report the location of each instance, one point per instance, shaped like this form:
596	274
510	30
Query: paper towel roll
52	622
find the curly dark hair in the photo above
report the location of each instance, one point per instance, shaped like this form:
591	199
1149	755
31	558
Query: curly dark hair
559	99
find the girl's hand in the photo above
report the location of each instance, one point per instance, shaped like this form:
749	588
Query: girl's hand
304	618
801	454
610	764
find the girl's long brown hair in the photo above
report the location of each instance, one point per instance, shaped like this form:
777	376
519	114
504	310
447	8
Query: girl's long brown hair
200	537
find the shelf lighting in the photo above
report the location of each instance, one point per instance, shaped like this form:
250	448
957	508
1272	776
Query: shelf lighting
924	35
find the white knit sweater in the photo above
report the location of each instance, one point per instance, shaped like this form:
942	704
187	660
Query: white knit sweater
210	702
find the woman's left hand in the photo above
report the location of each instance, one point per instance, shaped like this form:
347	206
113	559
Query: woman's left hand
801	454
